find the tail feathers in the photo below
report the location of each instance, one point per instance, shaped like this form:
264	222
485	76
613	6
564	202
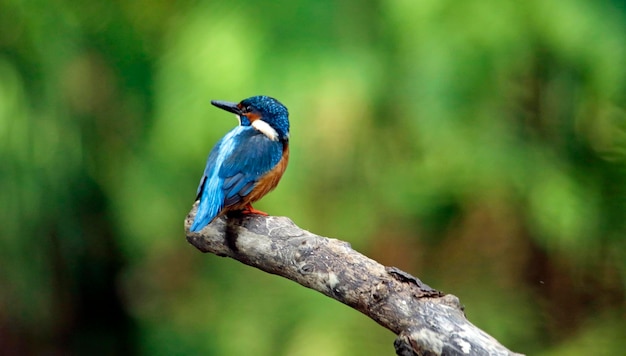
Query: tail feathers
209	207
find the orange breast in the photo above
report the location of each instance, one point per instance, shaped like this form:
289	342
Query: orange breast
267	183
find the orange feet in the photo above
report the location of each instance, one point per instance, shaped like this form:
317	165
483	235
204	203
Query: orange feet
250	210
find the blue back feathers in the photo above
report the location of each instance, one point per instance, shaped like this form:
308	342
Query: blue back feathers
242	157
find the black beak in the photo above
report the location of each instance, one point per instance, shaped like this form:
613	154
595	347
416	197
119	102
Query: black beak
225	105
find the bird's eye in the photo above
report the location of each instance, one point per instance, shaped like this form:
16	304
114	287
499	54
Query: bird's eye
248	108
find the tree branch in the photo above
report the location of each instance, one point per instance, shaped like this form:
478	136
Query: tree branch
427	322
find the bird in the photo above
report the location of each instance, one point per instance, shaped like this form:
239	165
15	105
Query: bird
247	163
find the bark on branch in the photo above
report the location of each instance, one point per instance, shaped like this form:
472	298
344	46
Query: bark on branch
427	322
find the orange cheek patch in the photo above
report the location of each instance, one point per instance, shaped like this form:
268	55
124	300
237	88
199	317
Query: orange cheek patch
252	116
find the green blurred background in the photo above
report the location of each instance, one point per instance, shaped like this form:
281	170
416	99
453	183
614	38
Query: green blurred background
479	145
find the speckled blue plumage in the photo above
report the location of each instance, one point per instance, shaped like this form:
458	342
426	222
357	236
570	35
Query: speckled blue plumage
240	159
272	112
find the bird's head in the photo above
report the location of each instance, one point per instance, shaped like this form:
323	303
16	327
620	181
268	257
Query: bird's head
264	113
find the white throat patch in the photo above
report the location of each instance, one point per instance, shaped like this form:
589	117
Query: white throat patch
266	129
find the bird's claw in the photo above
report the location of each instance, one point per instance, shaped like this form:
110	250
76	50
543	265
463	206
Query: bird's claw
250	210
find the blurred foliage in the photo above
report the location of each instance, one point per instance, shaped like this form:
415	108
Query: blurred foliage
478	145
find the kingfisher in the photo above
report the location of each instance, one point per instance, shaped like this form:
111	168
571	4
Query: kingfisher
247	162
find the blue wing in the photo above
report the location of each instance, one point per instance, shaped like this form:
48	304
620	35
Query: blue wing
234	166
